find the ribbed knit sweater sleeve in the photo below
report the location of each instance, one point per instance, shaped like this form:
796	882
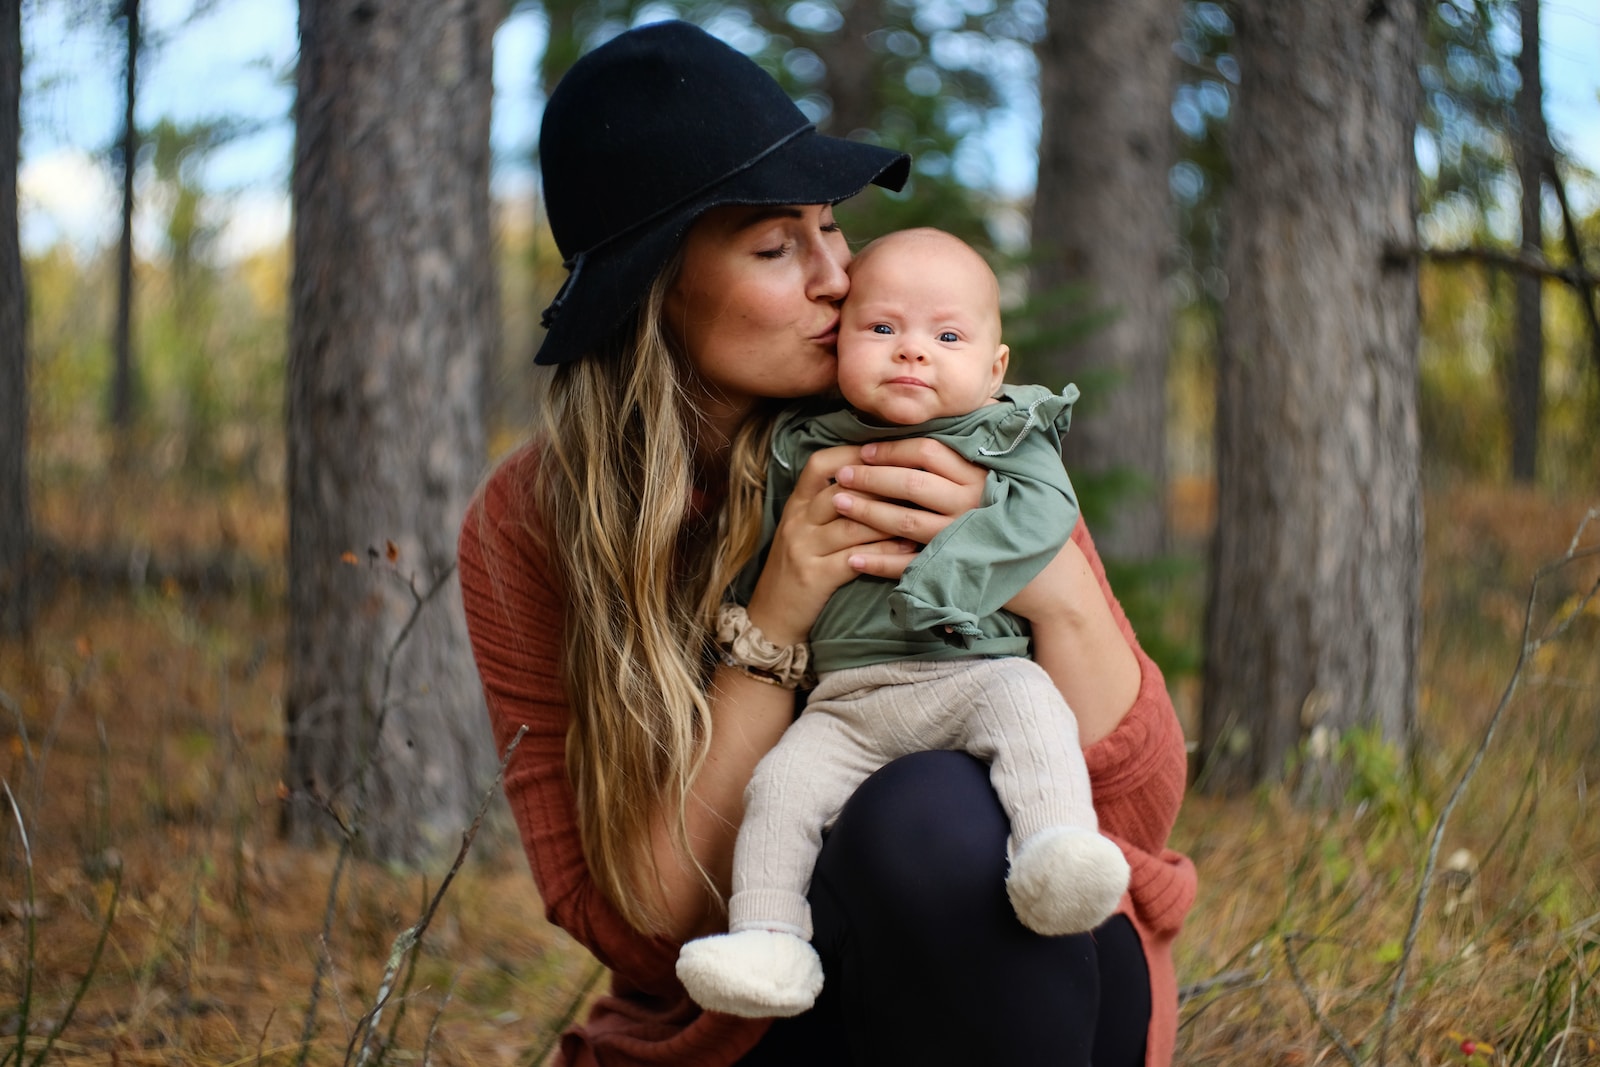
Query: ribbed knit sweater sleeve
515	614
1138	773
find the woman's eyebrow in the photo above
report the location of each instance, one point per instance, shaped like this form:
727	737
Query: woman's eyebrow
765	212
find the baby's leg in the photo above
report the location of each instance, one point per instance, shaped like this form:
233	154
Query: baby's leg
1017	720
1065	877
796	789
765	966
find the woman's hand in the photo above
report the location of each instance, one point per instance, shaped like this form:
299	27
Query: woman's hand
816	544
908	489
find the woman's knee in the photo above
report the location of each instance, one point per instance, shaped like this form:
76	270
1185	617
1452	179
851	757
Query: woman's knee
926	822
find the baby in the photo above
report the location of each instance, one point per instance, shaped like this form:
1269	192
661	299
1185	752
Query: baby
932	661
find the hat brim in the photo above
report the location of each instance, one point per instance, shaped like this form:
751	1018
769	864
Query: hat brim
612	280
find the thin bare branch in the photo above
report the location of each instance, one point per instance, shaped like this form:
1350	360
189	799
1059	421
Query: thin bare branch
1311	1003
88	975
30	930
1517	260
324	960
1569	227
1225	980
411	936
433	1028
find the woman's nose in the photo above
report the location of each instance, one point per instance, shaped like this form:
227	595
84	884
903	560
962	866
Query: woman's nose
828	278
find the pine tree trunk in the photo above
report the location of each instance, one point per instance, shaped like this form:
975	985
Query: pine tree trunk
122	371
1101	217
1315	602
393	324
16	529
1526	377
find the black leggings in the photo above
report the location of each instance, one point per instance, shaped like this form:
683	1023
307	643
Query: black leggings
926	962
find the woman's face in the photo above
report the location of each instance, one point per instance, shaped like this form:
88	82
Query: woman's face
756	305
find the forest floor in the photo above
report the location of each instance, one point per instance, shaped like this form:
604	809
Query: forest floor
141	740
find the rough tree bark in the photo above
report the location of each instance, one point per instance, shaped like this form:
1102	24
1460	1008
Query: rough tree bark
1101	216
16	528
1315	587
393	320
1529	143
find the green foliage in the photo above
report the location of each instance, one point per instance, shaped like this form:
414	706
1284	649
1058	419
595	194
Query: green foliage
1383	788
1467	314
1164	599
1460	403
936	77
212	363
1468	85
1043	324
1207	83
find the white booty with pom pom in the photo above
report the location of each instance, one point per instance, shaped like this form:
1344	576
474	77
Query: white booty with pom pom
759	974
1066	880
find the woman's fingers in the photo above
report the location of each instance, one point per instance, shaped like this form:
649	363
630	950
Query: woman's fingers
893	520
883	559
925	454
908	489
919	472
822	469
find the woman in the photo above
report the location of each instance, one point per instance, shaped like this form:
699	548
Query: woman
693	203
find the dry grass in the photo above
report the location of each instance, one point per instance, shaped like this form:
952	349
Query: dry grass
1305	915
153	749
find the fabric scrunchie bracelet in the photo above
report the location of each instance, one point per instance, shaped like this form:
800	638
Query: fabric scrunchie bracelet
744	646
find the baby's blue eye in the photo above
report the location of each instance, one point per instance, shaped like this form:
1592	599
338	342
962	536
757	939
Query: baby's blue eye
949	337
881	328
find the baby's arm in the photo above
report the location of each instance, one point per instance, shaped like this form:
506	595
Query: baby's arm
985	557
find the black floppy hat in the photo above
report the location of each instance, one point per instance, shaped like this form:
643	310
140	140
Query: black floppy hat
647	132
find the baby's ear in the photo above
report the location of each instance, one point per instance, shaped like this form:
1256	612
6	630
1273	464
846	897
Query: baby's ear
997	374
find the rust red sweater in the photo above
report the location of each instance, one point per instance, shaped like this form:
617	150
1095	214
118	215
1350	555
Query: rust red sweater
515	612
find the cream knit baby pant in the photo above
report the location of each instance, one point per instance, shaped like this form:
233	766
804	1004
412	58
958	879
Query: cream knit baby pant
1006	712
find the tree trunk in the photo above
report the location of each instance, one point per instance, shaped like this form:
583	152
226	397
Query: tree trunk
122	372
1101	217
1313	622
854	70
393	319
16	528
1529	141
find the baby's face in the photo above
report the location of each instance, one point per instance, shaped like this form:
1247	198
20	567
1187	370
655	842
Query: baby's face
919	335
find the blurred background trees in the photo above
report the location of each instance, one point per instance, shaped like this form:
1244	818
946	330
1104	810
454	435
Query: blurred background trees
1147	250
124	373
1314	615
16	514
392	328
1103	220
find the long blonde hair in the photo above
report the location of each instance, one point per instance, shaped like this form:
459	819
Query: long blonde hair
644	574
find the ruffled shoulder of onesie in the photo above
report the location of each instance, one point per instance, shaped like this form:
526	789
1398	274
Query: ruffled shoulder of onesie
1033	409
